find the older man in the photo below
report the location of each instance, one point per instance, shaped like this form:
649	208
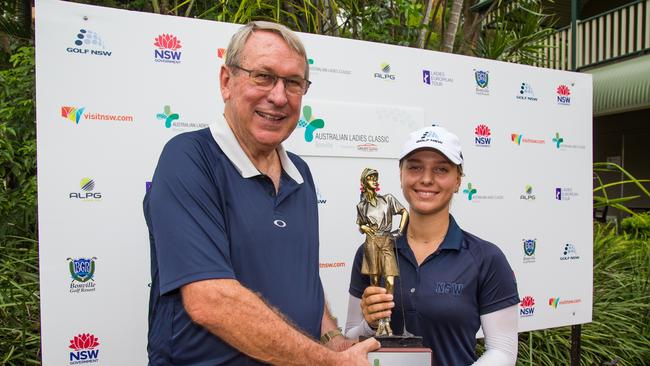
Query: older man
233	226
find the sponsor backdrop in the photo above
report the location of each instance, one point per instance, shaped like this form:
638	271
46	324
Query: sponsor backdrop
114	86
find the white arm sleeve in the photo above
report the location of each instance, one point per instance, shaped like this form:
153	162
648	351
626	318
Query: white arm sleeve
500	329
356	325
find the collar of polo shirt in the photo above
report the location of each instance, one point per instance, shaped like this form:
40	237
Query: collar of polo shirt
228	143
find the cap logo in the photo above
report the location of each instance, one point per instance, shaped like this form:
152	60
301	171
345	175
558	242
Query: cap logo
429	136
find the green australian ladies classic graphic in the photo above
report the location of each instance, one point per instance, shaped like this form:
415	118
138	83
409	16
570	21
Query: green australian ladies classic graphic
469	191
167	116
309	123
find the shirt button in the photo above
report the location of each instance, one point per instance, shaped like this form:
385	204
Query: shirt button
412	290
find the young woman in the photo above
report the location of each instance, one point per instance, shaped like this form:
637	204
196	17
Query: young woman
451	282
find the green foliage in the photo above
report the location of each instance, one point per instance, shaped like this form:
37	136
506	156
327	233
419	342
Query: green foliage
602	199
620	330
19	290
637	225
514	32
19	302
18	146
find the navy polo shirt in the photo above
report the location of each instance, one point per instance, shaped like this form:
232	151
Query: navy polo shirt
212	215
442	299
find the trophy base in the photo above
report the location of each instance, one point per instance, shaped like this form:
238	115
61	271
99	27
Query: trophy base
397	341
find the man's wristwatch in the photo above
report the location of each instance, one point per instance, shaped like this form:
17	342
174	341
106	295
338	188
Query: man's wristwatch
325	338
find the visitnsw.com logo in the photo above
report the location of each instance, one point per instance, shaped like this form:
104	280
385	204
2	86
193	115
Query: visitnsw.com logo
85	349
167	49
309	123
88	42
78	114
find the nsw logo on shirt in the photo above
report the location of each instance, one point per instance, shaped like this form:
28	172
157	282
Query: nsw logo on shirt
448	288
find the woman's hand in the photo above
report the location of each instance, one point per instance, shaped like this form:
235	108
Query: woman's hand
376	304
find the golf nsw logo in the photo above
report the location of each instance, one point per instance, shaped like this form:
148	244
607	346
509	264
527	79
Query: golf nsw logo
84	349
87	42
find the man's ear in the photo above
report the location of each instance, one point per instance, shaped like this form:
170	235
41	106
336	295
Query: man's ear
225	82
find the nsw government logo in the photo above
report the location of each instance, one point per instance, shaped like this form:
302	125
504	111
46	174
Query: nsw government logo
167	49
482	79
563	95
527	307
482	136
530	245
569	253
385	73
82	271
85	349
88	42
88	193
565	194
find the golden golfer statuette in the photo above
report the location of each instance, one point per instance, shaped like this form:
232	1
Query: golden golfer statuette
375	219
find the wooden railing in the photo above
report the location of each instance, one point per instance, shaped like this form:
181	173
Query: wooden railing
618	33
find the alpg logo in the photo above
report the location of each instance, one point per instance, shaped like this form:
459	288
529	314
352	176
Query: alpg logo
84	349
82	272
385	72
558	140
470	191
482	135
89	43
482	79
563	93
87	193
527	306
528	193
168	46
309	123
530	245
167	116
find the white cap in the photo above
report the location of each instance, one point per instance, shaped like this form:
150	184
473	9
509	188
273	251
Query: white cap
434	137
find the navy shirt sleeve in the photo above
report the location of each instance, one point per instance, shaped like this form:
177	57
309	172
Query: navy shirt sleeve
186	217
497	285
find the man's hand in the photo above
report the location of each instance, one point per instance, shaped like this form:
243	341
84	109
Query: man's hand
376	304
339	343
358	354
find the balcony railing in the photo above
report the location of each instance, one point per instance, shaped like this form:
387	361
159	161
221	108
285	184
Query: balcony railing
618	33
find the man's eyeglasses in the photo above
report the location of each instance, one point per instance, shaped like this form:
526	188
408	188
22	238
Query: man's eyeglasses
266	81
